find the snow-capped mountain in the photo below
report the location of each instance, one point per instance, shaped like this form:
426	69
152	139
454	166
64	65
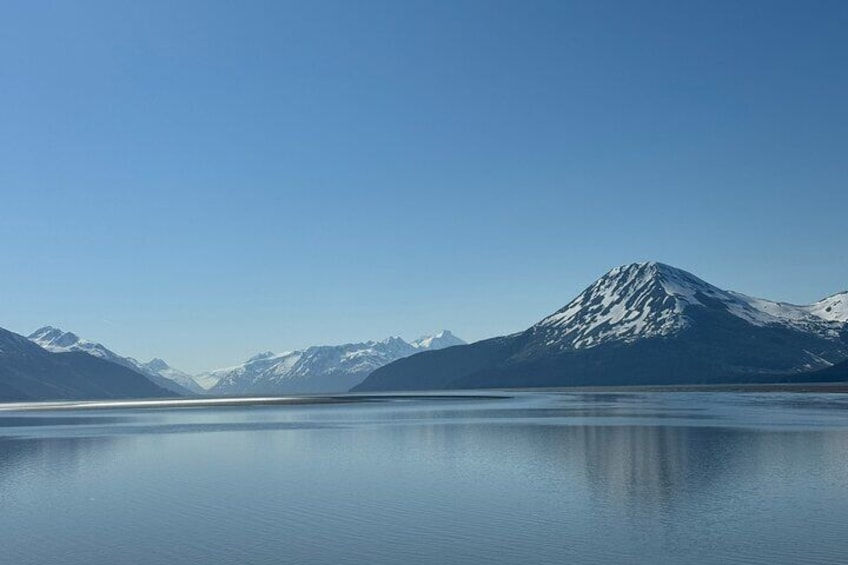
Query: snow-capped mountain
639	324
440	340
319	369
159	367
646	300
30	372
59	341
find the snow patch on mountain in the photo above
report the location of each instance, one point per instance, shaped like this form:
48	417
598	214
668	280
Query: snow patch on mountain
833	308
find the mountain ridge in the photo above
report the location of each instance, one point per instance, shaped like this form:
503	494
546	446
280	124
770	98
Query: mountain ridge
158	371
626	298
321	368
642	323
28	372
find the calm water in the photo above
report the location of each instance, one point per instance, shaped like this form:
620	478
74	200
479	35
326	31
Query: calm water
527	478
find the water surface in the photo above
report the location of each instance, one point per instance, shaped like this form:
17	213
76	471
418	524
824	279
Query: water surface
650	478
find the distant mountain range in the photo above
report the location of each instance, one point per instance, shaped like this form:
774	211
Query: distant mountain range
318	369
644	323
53	364
30	372
639	324
159	372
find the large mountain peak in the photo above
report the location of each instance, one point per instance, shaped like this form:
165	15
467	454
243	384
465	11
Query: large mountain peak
671	280
656	324
629	302
651	299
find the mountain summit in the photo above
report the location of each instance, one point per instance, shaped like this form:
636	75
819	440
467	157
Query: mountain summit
643	323
631	302
437	341
59	341
645	300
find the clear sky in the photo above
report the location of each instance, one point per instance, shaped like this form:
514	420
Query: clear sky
201	181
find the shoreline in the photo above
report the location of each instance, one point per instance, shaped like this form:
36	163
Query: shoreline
840	387
470	394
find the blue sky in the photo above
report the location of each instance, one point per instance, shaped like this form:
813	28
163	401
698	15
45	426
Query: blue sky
201	181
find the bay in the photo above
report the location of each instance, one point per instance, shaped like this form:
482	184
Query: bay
474	478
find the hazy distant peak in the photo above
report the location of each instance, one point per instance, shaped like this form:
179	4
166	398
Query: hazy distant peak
261	356
44	330
319	368
392	339
440	340
157	364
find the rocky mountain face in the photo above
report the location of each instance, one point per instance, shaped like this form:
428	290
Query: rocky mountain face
644	323
319	369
